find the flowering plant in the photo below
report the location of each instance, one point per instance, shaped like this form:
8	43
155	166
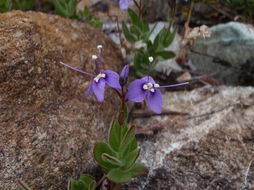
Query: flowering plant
117	157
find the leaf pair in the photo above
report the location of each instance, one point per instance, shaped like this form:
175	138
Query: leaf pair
117	158
85	182
139	29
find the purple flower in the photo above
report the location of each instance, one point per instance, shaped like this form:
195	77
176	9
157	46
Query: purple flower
125	72
125	4
124	75
147	88
97	86
99	81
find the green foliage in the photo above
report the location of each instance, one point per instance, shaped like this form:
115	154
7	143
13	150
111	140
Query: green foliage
85	182
23	5
66	8
138	36
89	18
117	157
5	6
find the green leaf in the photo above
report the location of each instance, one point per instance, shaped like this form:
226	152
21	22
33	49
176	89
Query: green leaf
99	149
140	63
85	182
97	24
134	18
128	35
135	30
130	157
165	54
86	12
156	41
118	175
5	6
86	179
111	159
163	39
169	37
66	8
145	26
151	31
78	185
149	45
137	170
92	185
128	138
115	136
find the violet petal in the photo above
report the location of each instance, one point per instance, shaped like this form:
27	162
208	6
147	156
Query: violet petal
155	101
125	72
135	91
90	89
98	89
112	79
148	79
124	4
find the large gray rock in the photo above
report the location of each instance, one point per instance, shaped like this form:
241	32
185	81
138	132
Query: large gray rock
211	148
48	126
230	46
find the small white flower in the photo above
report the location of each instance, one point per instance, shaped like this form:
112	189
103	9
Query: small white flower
150	59
99	47
94	57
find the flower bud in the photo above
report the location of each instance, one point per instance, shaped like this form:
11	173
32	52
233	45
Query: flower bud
124	75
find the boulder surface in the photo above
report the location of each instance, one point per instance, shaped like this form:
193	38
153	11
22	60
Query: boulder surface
207	143
226	53
48	125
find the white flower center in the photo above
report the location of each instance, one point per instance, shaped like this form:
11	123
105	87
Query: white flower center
99	76
150	87
94	57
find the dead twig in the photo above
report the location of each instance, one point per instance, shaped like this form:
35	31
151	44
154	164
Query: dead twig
245	187
211	112
144	114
